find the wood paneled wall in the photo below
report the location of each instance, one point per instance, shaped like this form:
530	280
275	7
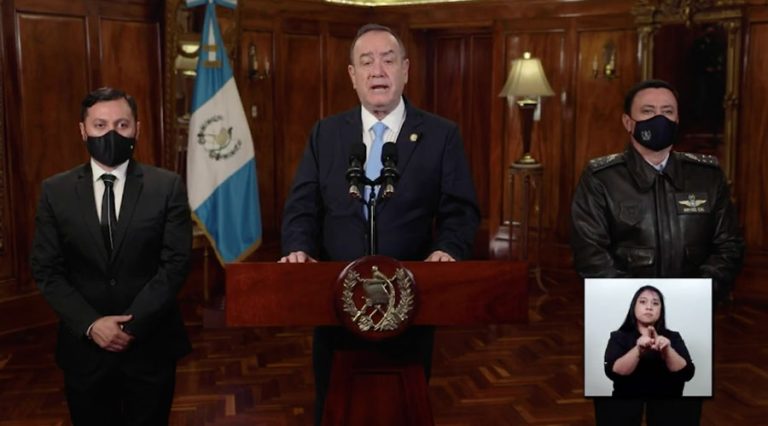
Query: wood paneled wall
257	96
454	75
752	152
54	51
599	101
6	225
454	72
130	59
460	53
581	120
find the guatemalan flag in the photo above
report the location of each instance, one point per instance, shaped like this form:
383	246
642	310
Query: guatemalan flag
221	168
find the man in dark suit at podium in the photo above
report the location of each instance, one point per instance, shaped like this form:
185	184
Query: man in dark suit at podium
432	216
111	251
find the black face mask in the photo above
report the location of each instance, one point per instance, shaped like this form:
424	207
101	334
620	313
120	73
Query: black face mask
111	149
655	133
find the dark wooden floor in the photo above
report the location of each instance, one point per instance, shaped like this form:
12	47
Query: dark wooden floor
486	376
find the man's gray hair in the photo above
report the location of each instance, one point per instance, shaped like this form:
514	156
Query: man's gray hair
367	28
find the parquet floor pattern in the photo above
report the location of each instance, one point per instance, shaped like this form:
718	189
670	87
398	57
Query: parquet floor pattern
484	376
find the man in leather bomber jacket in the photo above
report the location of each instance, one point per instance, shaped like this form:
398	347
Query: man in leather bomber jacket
631	220
650	212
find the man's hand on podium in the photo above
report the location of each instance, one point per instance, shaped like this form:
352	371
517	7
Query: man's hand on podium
439	256
297	257
301	257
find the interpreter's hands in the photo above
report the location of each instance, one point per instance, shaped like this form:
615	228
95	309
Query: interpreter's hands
108	333
647	340
661	344
439	256
297	257
653	341
644	343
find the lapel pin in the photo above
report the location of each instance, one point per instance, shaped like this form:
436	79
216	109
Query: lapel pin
414	137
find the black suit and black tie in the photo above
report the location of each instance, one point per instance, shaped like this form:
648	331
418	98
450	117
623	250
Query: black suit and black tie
131	261
108	214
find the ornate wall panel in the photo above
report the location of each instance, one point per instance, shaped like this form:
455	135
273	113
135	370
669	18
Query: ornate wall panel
457	78
7	263
476	131
447	82
130	60
300	100
256	93
697	46
416	89
53	76
341	95
751	177
600	99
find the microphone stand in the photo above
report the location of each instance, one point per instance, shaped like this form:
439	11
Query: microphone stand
370	205
357	178
372	231
387	178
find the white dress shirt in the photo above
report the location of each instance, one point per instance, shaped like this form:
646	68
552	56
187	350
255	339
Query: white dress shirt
659	167
117	187
394	122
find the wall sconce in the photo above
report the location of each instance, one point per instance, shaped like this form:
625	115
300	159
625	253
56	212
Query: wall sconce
254	73
526	83
186	58
609	63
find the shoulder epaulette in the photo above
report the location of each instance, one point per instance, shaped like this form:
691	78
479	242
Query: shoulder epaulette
600	163
705	159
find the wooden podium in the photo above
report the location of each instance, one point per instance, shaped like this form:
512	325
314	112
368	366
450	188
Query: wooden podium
366	389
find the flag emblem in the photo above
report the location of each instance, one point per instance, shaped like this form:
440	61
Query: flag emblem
216	138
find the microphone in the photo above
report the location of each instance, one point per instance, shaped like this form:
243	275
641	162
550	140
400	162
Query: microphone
389	173
355	172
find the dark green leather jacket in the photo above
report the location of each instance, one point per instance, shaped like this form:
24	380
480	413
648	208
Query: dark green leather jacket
629	220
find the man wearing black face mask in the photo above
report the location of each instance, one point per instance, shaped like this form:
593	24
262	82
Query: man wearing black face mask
651	212
111	251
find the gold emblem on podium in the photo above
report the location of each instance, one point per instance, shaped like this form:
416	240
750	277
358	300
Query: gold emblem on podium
373	303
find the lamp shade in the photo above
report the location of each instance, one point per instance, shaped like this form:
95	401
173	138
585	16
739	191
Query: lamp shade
526	79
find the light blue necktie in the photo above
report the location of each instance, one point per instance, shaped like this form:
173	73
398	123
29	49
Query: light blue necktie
373	165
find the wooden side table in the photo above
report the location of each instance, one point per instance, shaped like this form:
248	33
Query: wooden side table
525	213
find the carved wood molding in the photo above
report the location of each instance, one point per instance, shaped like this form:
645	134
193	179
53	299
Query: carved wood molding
733	62
650	15
169	85
3	170
683	11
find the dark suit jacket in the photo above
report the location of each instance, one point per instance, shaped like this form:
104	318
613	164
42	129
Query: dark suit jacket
435	194
142	277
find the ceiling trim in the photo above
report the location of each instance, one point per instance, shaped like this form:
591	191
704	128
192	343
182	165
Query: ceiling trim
376	3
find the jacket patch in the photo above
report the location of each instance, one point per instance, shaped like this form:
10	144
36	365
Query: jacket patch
630	213
692	202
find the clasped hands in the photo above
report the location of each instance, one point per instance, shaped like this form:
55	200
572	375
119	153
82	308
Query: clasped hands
107	332
650	340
